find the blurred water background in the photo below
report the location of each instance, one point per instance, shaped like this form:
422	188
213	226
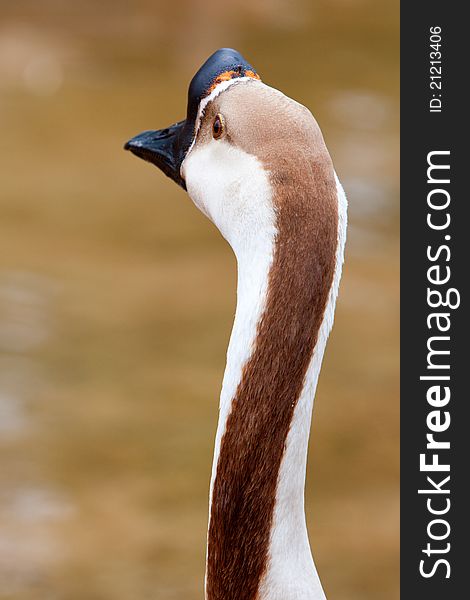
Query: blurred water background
117	295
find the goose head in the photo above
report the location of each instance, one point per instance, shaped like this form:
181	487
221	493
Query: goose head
241	148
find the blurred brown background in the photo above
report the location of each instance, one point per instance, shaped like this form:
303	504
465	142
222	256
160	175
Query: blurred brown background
117	295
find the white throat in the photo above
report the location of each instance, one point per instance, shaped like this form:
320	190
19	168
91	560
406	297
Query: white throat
252	239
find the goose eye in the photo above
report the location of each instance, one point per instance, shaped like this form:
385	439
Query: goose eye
218	126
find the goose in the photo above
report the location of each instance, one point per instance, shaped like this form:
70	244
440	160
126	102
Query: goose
255	163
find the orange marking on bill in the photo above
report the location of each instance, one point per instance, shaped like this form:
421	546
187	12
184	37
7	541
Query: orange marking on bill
227	75
252	74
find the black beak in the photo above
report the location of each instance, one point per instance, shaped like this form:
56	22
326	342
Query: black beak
167	148
164	148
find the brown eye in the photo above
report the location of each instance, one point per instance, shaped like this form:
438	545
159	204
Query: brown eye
218	126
